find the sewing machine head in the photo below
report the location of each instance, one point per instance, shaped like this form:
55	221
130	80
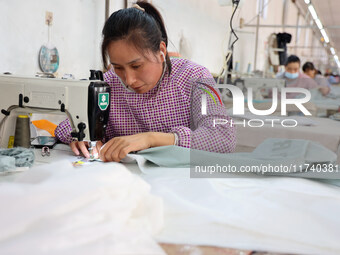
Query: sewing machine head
85	103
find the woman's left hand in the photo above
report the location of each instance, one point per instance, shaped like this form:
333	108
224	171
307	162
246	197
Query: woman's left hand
118	147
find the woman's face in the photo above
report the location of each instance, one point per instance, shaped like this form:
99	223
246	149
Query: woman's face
140	72
311	73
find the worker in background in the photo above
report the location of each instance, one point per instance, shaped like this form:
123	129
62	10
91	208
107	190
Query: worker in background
156	101
309	69
332	78
294	78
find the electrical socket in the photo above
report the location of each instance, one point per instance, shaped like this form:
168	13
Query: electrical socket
48	18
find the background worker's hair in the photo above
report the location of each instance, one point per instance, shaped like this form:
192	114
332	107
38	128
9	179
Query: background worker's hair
292	59
308	66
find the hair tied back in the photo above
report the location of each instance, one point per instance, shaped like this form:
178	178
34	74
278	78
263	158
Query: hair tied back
138	7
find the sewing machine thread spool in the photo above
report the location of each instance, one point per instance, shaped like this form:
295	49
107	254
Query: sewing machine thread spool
22	136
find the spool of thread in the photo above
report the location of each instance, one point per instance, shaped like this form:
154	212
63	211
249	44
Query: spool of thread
237	65
249	68
22	136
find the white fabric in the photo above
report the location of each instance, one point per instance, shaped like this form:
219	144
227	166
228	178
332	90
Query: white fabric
269	214
94	209
288	215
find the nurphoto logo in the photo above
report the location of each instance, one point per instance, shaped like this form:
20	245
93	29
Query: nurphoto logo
239	108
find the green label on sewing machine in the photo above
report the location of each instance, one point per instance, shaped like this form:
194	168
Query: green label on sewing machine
103	101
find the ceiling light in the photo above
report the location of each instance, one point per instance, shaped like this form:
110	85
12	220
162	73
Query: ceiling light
312	11
336	58
337	62
318	23
325	36
332	50
307	1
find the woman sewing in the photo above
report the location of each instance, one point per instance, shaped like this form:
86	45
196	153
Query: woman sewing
155	101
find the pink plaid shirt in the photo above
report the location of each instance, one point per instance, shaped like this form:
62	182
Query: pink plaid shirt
172	106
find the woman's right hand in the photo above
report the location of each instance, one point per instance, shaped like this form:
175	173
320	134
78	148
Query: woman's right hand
78	147
82	147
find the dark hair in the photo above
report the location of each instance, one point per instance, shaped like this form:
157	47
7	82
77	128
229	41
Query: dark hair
144	29
292	59
308	66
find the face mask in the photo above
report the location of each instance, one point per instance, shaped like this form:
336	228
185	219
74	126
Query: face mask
291	76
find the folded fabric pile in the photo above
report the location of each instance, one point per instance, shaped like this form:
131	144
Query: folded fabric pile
96	209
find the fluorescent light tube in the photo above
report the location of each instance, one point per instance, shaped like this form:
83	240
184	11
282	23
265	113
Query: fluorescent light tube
319	24
325	36
332	50
312	11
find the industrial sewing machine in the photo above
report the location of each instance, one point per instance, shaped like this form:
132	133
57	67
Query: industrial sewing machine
85	102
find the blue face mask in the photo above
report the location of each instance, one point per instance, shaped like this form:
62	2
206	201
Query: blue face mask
292	76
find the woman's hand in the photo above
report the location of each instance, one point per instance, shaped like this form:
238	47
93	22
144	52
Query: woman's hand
82	147
117	148
78	147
